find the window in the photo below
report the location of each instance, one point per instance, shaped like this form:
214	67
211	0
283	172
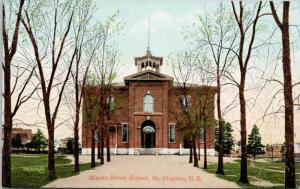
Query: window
171	133
148	103
201	135
111	101
124	132
186	99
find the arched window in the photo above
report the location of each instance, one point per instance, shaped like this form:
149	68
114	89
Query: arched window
148	103
201	135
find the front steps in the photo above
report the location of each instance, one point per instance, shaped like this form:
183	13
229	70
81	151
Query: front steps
146	151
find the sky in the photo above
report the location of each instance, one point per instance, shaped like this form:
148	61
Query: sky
167	20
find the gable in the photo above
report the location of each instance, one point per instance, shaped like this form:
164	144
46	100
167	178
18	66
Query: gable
148	75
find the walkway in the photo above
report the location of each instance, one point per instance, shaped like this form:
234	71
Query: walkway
144	171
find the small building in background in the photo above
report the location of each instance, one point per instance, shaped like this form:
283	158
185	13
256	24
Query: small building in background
26	134
276	150
56	144
64	141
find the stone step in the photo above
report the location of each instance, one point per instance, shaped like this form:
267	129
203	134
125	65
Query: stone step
147	151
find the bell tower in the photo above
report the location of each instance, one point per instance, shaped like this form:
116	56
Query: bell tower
148	62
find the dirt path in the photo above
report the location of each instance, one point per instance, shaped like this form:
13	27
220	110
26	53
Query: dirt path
273	170
144	171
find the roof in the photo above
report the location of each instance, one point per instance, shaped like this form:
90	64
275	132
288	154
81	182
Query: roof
65	139
178	84
149	75
118	84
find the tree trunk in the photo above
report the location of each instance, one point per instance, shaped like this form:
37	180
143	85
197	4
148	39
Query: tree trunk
50	128
199	155
8	52
205	151
6	151
98	145
102	148
93	163
272	155
51	154
107	148
196	164
220	169
76	143
191	153
290	181
243	168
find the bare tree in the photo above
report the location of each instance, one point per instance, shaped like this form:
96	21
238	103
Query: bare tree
290	181
216	32
48	28
23	69
190	65
90	113
104	72
182	65
243	60
87	40
205	102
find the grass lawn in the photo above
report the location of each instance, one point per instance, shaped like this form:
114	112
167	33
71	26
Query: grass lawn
30	171
255	171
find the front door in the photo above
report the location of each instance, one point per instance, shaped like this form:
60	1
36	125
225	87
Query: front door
149	139
148	134
186	142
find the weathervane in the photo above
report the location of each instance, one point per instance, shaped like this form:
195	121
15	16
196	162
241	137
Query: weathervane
148	46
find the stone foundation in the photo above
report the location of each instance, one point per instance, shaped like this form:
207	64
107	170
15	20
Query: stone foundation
152	151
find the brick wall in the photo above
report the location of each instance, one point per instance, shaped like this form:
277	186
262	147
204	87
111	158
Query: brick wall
167	109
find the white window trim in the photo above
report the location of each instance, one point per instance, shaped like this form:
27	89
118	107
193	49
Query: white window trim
147	105
126	133
188	99
173	124
110	99
201	142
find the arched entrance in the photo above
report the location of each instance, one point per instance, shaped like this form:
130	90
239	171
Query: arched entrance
148	134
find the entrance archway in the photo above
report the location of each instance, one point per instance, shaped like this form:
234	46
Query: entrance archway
148	134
